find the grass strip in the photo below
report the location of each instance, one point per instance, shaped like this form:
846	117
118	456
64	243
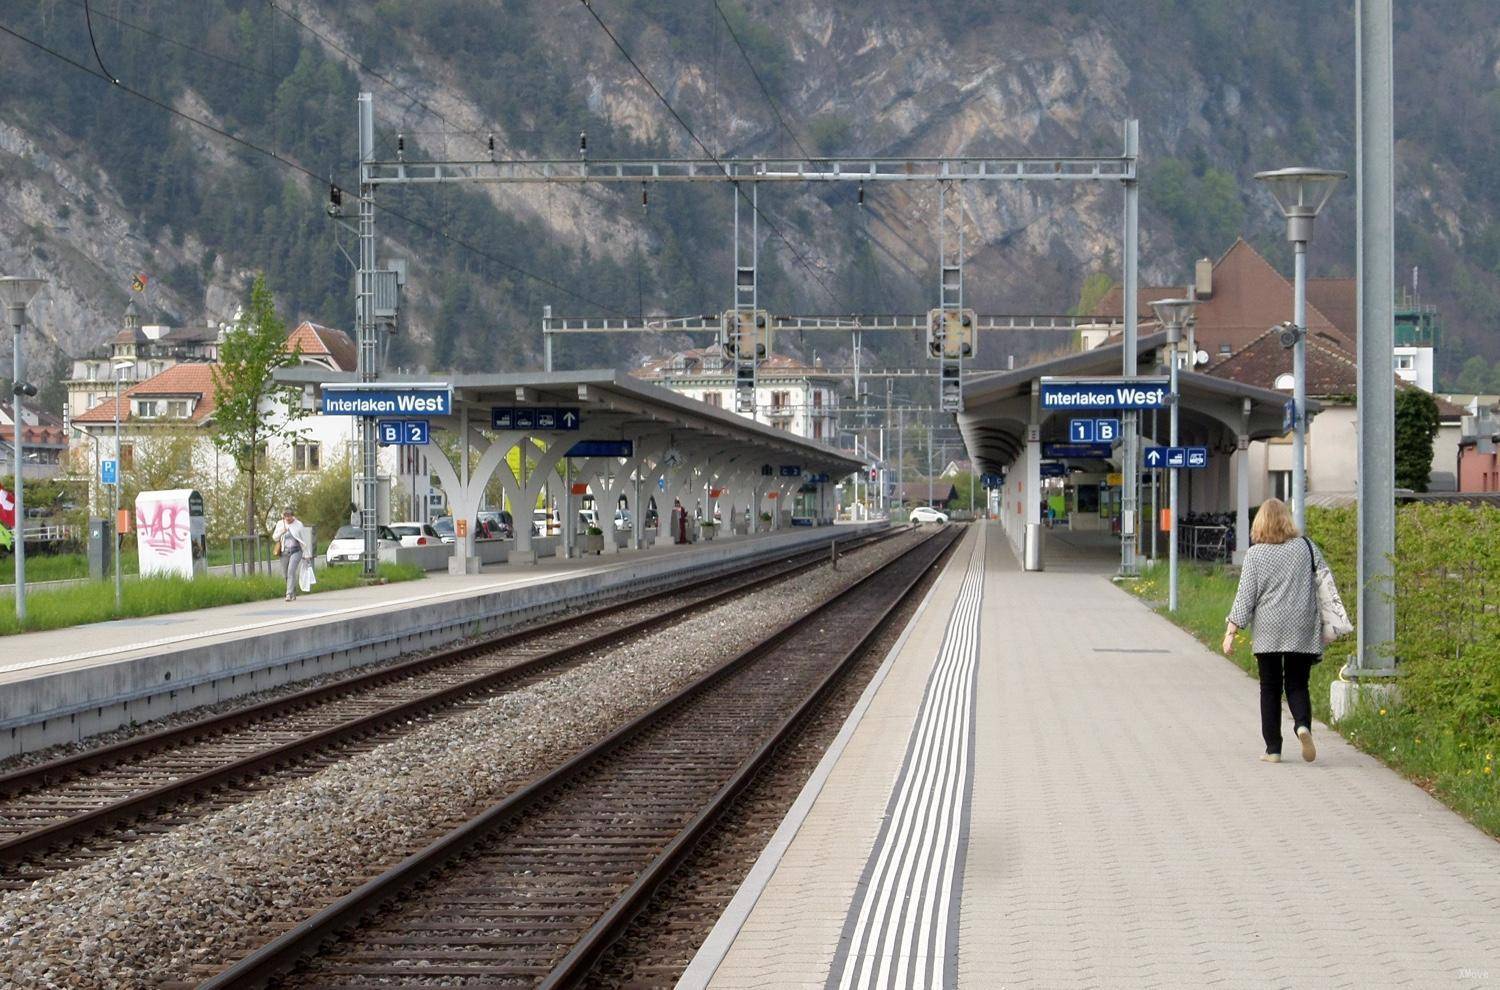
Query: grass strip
95	602
1460	771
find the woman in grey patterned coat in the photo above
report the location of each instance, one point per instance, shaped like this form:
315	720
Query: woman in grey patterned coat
1278	601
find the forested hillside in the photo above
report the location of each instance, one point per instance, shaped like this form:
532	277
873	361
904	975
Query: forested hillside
97	184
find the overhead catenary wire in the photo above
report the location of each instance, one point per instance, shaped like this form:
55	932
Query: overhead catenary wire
765	91
175	42
620	47
298	167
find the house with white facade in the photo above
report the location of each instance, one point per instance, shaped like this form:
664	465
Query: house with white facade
789	395
138	352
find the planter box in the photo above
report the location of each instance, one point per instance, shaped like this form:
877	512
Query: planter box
591	542
709	531
622	538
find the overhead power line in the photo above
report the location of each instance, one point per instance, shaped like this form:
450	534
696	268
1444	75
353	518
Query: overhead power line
298	167
141	29
766	92
588	5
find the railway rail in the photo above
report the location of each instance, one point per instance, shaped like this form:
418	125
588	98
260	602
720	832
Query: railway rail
533	890
46	809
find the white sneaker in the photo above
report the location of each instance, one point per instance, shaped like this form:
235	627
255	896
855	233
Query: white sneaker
1270	758
1309	751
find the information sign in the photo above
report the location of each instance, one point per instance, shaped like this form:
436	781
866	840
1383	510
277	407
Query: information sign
402	432
602	448
1197	457
375	399
794	471
109	472
1074	393
1088	451
1053	469
1288	415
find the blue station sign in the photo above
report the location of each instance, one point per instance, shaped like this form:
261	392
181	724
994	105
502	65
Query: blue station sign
375	399
402	432
602	448
1176	457
535	418
1105	393
1083	451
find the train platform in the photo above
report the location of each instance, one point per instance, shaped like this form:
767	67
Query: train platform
64	684
1048	785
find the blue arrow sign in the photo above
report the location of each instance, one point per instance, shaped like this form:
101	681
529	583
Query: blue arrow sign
568	419
1156	457
1081	430
109	472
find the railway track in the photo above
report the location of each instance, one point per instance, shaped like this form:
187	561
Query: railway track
534	890
47	809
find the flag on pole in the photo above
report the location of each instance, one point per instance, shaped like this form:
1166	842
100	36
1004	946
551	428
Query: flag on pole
138	283
7	518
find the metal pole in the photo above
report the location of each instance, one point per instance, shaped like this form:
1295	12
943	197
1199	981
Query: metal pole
1129	456
368	354
1377	271
547	336
1173	332
901	457
17	318
1299	389
1155	494
114	526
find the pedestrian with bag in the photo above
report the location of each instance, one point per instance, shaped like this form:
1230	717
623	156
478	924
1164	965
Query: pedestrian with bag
1288	599
293	541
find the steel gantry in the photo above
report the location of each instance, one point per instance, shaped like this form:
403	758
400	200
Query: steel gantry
744	336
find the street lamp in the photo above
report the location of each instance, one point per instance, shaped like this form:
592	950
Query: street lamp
1173	314
15	293
1301	193
116	367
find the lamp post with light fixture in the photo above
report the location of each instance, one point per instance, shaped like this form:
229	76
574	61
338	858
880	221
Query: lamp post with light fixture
15	293
117	367
1301	193
1173	314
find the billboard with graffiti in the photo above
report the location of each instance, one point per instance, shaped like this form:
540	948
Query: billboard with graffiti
169	532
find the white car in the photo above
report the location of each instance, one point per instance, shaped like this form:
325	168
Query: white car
927	514
348	544
415	534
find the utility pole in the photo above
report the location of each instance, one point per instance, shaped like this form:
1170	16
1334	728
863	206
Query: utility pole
368	355
1130	425
1375	140
1173	313
15	293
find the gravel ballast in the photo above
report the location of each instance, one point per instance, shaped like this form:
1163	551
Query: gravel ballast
147	913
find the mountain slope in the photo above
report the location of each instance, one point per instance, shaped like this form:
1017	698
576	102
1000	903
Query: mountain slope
96	185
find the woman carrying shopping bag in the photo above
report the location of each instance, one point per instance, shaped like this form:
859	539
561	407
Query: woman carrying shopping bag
294	542
1283	586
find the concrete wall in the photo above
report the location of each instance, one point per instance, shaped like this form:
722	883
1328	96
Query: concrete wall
68	705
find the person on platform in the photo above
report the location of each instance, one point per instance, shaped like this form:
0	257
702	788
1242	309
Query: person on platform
294	541
1278	600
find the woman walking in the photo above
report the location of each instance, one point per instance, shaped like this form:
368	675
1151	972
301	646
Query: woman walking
294	542
1278	600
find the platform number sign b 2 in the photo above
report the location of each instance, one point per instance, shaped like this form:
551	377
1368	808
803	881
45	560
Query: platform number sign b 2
403	432
1093	430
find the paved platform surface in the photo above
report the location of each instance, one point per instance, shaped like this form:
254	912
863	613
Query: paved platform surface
123	639
1082	805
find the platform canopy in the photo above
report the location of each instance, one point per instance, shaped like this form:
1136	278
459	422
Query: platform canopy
610	405
1215	412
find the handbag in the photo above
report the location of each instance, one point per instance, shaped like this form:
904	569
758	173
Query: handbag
1332	619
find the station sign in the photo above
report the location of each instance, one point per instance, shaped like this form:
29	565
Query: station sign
535	418
1288	415
1105	431
1053	469
402	432
376	399
990	480
1087	451
109	472
603	448
795	471
1176	457
1105	393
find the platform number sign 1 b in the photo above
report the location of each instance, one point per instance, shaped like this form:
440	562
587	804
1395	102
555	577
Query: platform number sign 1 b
1093	430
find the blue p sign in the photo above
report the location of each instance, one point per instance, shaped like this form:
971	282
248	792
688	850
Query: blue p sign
109	472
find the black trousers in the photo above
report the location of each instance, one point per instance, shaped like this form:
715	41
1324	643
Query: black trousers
1288	670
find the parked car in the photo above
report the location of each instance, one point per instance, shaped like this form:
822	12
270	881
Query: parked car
540	520
499	523
624	520
415	534
927	514
445	530
348	544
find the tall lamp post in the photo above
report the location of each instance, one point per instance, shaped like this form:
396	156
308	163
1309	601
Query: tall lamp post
1173	314
1301	193
15	293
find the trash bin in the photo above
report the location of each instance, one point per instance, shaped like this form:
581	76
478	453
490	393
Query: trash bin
101	548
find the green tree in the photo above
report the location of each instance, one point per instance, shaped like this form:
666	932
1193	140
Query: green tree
1474	376
1416	426
251	409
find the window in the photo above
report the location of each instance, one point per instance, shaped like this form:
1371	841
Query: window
817	429
1405	362
145	408
307	456
178	409
817	398
1285	382
714	399
127	456
1281	485
780	400
1225	349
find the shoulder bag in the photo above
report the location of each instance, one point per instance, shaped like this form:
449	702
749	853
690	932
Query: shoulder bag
1332	618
